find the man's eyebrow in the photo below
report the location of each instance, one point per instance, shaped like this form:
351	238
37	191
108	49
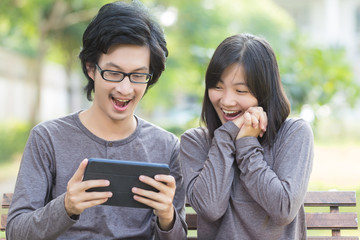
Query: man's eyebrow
111	64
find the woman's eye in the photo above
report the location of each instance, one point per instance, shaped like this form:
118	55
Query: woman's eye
241	91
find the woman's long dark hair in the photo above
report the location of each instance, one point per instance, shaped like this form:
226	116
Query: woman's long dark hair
262	77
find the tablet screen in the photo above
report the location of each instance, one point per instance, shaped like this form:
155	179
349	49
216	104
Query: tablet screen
123	176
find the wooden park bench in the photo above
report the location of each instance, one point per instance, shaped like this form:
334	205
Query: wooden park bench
333	219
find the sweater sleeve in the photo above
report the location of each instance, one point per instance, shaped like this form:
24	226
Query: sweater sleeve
280	190
32	207
208	169
179	229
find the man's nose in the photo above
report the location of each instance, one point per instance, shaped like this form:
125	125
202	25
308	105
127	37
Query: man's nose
125	86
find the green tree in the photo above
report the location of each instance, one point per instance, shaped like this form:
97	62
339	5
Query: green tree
44	24
315	76
311	75
52	29
200	27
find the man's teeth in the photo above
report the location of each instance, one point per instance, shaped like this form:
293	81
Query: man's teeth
120	100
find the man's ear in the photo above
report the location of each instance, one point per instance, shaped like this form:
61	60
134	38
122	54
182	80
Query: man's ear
90	70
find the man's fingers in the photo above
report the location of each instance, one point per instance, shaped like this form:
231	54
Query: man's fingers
167	179
92	196
153	203
94	184
161	181
164	183
81	206
78	175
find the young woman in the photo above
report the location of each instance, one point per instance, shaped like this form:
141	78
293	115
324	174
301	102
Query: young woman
246	173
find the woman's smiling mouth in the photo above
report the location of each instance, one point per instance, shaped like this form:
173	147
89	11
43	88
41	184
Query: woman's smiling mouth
231	115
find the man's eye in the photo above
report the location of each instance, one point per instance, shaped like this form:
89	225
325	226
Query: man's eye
114	73
138	76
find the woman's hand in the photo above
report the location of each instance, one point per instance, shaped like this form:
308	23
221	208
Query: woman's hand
252	123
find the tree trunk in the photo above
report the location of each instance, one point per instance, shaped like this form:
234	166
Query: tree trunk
36	105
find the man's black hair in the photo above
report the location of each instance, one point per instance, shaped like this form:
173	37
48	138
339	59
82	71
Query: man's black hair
123	23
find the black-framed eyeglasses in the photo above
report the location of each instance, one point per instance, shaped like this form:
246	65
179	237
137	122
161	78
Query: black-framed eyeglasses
116	76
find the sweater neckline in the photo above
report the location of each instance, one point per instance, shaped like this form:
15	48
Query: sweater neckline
123	141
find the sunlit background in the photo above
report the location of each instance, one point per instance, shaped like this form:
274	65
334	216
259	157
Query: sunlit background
317	43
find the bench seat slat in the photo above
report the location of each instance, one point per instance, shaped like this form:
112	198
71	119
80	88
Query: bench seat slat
332	238
331	220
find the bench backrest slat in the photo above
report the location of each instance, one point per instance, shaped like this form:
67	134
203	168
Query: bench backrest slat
6	200
331	220
330	198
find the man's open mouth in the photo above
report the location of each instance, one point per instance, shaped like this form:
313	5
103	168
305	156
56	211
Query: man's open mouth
120	102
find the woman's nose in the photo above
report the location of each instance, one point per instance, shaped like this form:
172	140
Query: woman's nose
228	99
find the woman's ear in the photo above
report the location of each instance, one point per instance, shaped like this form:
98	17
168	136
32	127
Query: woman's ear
90	70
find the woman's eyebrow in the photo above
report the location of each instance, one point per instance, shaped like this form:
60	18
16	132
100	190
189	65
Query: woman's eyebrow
240	83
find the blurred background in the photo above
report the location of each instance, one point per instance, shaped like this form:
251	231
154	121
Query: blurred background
317	43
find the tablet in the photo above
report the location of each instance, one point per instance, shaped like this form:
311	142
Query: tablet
123	176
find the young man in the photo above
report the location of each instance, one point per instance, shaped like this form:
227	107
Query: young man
124	53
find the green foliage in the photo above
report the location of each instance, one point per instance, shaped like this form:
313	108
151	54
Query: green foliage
199	29
311	75
314	76
179	130
23	23
13	137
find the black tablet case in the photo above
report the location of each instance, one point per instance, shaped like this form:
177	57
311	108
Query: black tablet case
123	175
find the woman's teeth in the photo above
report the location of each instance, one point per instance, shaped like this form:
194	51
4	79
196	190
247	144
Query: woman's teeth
231	113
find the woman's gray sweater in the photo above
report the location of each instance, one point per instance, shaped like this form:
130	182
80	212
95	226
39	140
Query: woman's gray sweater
243	190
